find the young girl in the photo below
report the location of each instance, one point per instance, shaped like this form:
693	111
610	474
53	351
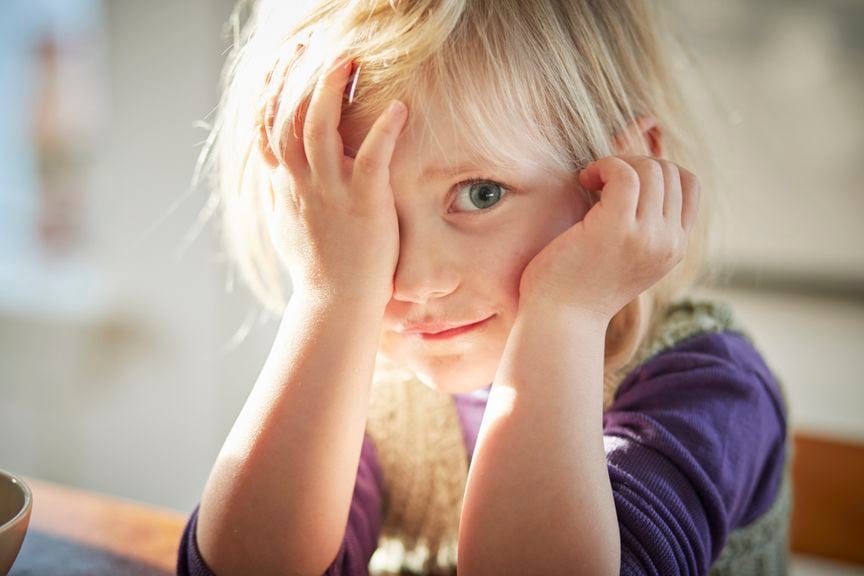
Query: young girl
490	344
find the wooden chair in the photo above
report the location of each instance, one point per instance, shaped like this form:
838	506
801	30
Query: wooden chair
828	498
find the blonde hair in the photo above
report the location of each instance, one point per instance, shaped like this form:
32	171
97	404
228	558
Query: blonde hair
567	75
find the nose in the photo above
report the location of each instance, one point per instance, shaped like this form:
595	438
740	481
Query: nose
425	269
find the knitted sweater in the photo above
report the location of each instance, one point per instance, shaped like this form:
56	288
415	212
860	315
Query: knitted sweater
697	453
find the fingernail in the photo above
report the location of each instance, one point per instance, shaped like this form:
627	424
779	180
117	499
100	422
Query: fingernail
397	108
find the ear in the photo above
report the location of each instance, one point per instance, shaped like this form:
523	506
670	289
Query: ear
643	134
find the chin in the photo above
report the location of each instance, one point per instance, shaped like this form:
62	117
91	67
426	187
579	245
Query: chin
454	369
456	378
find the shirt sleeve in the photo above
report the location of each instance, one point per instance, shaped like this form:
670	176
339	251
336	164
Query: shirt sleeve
364	518
695	447
361	533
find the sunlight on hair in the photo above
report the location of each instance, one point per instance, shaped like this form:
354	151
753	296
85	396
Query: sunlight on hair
542	83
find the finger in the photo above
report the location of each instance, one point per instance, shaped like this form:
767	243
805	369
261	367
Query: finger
372	163
264	148
267	106
651	188
691	193
283	188
290	139
672	192
321	137
617	182
285	144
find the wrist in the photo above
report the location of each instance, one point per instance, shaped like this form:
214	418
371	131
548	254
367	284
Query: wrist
333	298
552	313
362	318
350	313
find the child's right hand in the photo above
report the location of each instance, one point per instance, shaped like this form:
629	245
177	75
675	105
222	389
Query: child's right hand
333	220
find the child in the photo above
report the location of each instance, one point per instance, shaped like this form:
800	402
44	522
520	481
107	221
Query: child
490	343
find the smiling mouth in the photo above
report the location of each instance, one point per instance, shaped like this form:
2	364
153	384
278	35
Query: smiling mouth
451	333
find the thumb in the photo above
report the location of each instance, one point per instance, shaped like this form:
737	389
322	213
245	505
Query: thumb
590	179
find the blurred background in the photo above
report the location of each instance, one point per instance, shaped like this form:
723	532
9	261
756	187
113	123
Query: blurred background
125	351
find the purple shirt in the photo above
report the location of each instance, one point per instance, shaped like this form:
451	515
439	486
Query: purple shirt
695	446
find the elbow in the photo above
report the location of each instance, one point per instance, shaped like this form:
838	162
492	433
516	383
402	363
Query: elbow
271	564
550	558
229	563
548	566
228	553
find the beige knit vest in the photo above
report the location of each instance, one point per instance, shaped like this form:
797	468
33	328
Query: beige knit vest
418	439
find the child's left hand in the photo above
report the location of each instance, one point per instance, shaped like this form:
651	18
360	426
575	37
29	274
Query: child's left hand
632	237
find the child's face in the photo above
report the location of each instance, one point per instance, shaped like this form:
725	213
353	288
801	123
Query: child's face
458	262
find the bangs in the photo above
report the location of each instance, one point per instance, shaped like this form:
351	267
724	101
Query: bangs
488	82
490	120
544	84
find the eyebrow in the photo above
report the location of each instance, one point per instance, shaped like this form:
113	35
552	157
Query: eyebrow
453	171
450	172
442	173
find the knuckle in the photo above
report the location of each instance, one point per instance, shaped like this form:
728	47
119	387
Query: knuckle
654	245
659	246
329	90
670	169
329	81
264	149
689	180
624	170
268	121
615	163
621	231
366	164
323	78
313	133
683	241
270	107
300	115
697	193
659	249
649	168
282	178
677	246
385	131
635	238
671	238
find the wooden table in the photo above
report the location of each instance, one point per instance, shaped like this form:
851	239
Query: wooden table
78	532
75	532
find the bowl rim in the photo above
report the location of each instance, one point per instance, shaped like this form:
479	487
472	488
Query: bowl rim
28	498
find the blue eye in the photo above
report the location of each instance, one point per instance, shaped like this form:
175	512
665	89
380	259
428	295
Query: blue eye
481	194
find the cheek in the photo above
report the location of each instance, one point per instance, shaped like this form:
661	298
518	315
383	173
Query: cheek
510	252
500	262
535	235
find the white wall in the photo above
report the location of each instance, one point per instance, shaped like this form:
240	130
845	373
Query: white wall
113	376
782	104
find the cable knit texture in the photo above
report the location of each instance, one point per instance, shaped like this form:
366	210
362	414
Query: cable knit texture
424	464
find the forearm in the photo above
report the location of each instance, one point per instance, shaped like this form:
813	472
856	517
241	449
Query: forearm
281	488
539	477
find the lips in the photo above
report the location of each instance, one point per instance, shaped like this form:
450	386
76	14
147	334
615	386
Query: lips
440	330
433	327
